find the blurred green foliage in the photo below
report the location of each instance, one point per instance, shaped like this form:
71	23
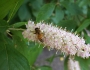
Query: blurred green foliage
16	53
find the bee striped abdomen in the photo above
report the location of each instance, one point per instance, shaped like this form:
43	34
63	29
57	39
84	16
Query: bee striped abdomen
39	34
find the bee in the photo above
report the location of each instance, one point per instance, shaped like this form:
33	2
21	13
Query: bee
39	34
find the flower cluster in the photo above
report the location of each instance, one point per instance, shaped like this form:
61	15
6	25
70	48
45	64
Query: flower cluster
58	38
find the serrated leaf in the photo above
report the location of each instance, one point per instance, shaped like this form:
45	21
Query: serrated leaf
66	63
11	59
14	9
30	51
18	24
45	12
44	68
84	63
85	24
3	26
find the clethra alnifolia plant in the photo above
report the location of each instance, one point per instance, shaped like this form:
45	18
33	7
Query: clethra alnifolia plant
57	38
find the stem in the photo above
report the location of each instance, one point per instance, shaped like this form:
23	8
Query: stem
16	29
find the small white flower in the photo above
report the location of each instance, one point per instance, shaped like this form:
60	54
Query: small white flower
58	38
73	65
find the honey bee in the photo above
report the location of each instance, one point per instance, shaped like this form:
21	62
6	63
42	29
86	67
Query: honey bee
39	34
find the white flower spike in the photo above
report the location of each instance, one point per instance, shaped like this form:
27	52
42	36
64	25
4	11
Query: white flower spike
57	38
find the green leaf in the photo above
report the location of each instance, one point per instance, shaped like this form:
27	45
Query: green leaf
84	2
30	51
88	14
66	63
14	9
84	63
45	12
72	8
87	38
59	15
3	26
18	24
34	52
50	59
69	24
6	6
24	13
11	59
85	24
36	4
44	68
